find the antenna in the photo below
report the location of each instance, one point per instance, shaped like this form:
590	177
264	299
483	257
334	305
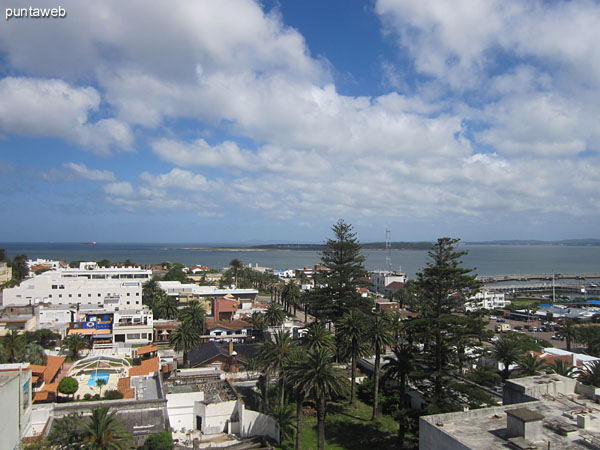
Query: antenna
388	247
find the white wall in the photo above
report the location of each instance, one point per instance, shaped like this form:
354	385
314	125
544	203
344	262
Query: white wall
180	408
9	414
215	416
253	423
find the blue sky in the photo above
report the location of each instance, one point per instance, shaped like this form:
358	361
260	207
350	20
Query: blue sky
243	121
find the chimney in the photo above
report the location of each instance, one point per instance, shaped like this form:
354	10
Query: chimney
525	423
230	348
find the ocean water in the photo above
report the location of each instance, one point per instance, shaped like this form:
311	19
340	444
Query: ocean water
485	259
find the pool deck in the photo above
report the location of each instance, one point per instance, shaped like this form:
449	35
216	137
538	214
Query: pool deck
92	390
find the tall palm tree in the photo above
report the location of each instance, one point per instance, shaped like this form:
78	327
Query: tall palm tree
591	376
184	339
195	316
34	354
351	330
166	307
285	420
74	343
100	383
258	322
399	367
273	354
295	357
12	344
236	265
568	331
507	352
319	336
529	365
380	335
560	367
274	316
318	376
104	432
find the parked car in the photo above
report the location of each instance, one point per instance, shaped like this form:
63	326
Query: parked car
493	317
518	327
500	320
556	337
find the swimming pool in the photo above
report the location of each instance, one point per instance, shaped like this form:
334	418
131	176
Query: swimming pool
98	376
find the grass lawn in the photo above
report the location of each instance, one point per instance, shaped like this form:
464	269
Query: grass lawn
350	428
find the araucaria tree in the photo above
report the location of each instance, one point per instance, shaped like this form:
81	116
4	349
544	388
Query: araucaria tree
338	290
441	288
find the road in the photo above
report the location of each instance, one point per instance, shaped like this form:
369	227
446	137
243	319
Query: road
547	336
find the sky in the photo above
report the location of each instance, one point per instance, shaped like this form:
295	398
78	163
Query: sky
267	121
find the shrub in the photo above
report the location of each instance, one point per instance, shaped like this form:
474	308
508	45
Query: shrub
158	441
113	394
68	386
87	396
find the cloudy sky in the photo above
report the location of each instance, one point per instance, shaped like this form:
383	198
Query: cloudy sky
238	121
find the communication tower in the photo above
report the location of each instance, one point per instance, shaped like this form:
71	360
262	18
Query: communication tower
388	248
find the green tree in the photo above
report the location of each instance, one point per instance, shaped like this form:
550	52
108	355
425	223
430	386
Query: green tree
507	351
184	339
591	376
12	344
158	441
274	316
560	367
194	316
166	308
337	292
236	266
529	365
104	263
74	343
65	433
152	293
176	273
285	421
380	335
68	386
319	337
319	378
351	329
258	322
568	331
34	354
272	355
104	432
20	271
441	290
100	383
399	368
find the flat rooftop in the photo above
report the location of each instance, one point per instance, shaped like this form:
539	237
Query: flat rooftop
215	391
487	428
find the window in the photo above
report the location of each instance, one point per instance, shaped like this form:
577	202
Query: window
89	295
54	286
60	295
78	295
128	294
137	294
128	302
50	296
99	294
137	302
70	295
119	338
133	336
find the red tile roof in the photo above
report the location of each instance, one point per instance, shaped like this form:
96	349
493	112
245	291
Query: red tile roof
124	387
53	366
147	367
144	350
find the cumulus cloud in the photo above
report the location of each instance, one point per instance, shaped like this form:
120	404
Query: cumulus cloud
72	172
53	108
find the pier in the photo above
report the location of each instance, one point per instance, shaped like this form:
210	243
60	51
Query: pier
542	276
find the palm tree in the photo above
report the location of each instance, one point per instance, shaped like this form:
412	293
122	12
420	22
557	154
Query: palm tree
568	331
12	344
295	357
166	308
560	367
33	354
100	383
236	265
273	354
274	316
318	376
184	339
195	316
285	420
507	352
380	335
150	292
104	432
319	336
74	343
529	365
351	330
591	376
399	368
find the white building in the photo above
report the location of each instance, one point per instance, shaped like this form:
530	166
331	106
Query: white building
486	300
112	288
5	272
189	290
133	327
383	278
15	398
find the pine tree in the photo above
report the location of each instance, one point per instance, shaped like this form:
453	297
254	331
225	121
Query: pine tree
338	290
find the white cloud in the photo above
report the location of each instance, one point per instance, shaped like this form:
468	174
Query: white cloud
120	189
90	174
53	108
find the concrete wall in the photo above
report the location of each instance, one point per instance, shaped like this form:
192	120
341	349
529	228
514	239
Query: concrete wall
9	414
253	423
215	416
527	389
180	408
434	438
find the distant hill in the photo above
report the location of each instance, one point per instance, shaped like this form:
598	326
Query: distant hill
368	245
567	242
